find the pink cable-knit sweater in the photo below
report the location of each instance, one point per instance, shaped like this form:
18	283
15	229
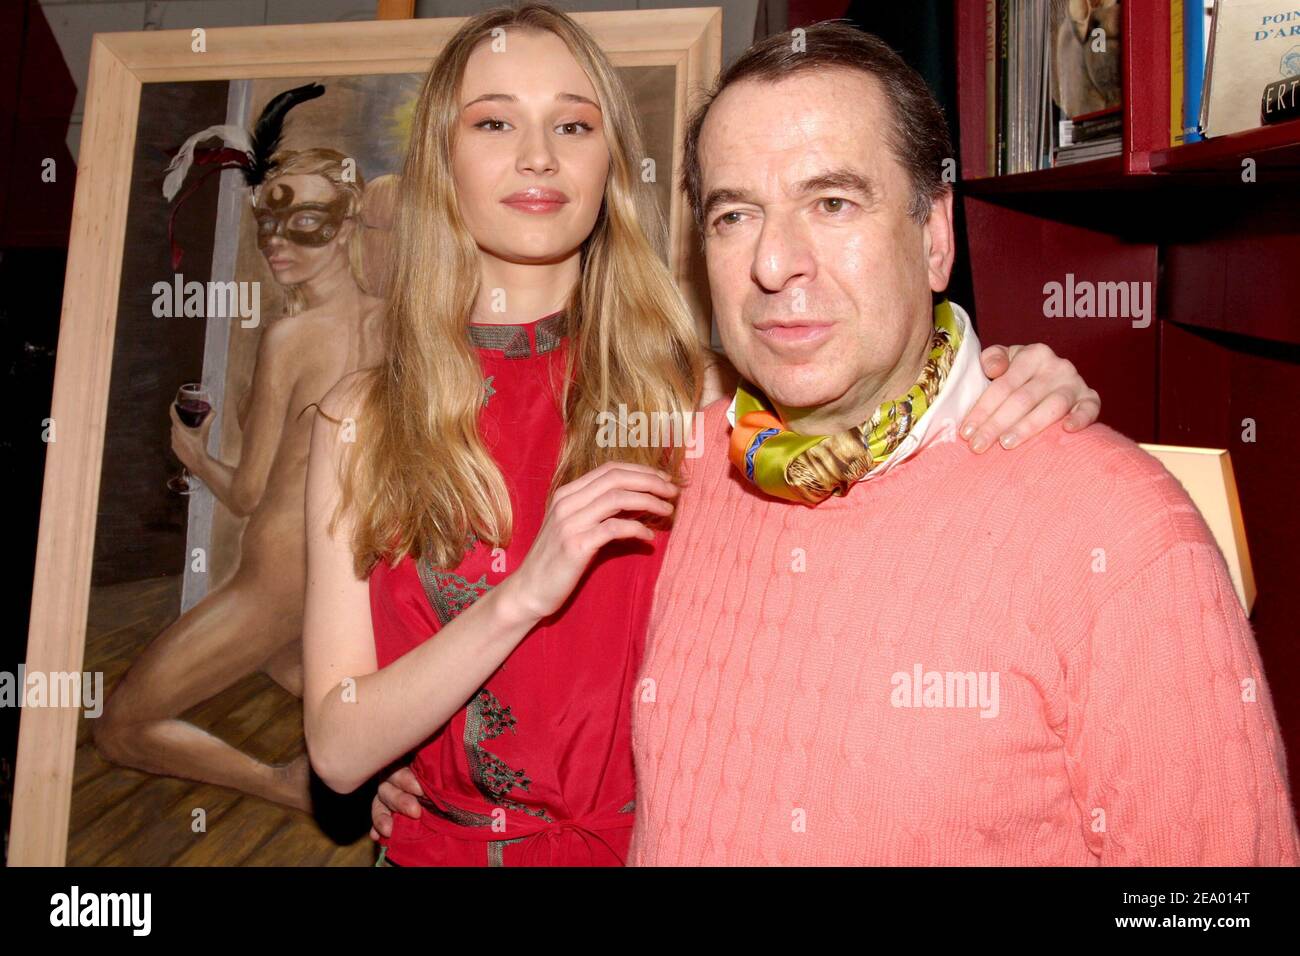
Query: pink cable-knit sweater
1102	695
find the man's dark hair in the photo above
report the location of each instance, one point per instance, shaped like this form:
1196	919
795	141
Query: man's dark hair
918	135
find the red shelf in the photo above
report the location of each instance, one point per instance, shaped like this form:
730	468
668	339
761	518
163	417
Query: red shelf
1274	148
1105	173
1269	145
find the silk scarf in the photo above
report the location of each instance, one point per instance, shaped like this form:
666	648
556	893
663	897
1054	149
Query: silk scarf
811	468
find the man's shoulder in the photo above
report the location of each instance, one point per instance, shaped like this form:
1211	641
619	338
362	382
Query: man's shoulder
1103	481
714	431
715	413
1096	453
707	463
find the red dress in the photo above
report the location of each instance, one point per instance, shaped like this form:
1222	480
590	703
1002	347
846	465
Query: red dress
537	768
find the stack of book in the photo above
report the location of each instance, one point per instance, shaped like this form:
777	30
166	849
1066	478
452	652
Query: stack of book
1089	136
1052	83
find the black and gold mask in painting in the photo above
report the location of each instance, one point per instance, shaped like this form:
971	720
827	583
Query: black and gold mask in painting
304	223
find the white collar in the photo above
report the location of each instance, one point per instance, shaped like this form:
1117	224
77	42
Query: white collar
962	388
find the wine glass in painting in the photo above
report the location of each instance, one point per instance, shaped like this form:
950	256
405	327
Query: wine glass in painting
193	405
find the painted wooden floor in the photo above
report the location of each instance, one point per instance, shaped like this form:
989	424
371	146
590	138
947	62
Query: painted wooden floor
123	817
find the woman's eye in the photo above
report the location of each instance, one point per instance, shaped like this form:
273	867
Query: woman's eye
496	125
569	128
305	221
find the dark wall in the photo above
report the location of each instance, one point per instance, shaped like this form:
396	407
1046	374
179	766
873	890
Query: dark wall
37	95
922	31
141	526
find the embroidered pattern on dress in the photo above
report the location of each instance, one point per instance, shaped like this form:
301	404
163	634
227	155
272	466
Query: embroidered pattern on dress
488	390
550	332
448	592
510	339
496	850
465	818
486	719
513	341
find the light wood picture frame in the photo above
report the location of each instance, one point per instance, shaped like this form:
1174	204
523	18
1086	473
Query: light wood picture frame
1206	475
122	65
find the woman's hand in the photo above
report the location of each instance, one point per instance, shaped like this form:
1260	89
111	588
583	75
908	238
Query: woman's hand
189	444
398	794
1032	388
582	517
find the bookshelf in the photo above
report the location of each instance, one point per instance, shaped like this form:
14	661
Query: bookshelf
1145	61
1222	257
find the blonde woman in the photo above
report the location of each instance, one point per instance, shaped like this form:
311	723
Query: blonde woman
480	568
305	209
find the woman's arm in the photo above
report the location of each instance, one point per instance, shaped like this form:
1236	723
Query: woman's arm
240	488
359	718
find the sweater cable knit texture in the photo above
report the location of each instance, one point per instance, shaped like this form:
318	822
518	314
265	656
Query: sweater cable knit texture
1116	712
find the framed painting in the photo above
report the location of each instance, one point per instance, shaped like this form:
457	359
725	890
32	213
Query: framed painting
167	297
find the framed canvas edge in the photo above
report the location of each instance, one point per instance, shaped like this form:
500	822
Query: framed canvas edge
1247	568
120	64
376	46
70	489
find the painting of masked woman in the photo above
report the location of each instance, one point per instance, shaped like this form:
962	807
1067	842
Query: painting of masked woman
202	721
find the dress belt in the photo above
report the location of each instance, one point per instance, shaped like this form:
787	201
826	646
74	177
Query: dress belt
537	835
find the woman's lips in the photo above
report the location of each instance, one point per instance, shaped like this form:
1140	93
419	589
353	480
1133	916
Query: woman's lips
536	200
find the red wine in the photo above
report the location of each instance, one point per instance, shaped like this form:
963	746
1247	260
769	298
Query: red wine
192	411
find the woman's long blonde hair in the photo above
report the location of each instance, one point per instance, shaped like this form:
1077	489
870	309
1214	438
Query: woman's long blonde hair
419	479
333	166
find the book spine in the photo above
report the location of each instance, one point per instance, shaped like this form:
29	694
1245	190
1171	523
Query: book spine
991	87
1194	68
1209	74
1004	29
1177	106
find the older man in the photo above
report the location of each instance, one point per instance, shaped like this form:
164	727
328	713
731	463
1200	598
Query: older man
868	645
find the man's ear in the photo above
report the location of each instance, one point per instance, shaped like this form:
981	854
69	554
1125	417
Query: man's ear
940	245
